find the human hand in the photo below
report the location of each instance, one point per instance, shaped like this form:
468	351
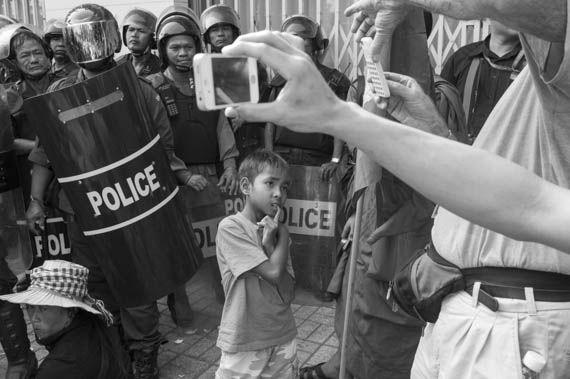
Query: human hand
382	15
228	181
327	171
305	97
197	182
270	227
35	217
411	106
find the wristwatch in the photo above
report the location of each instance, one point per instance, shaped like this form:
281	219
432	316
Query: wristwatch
335	160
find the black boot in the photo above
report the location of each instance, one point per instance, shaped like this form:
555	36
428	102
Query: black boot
22	362
145	363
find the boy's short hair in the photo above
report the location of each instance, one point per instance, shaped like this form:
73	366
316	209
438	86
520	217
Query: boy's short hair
256	162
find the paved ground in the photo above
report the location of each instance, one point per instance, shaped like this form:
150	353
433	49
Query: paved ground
193	353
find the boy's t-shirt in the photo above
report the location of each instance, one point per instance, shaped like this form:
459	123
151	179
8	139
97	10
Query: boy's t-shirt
257	314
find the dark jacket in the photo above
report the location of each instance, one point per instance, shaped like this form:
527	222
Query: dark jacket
78	351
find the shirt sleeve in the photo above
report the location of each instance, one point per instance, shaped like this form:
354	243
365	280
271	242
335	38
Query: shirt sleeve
551	60
226	142
239	251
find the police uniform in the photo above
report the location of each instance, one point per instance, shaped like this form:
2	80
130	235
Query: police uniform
142	329
151	65
309	149
196	142
69	69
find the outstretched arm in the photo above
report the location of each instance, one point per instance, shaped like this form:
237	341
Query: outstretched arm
472	183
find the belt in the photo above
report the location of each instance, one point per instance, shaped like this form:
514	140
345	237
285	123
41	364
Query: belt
510	283
488	293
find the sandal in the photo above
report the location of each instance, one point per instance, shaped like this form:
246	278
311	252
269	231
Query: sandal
312	372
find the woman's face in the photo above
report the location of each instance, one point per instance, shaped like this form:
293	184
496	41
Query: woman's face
48	320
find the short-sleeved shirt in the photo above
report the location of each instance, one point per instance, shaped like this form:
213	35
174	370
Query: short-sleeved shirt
257	314
490	82
530	126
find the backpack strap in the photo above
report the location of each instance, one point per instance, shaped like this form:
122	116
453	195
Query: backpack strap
468	98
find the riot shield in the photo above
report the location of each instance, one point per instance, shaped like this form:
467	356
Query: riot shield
108	157
310	214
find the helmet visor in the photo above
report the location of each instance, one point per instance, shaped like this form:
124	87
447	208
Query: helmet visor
91	41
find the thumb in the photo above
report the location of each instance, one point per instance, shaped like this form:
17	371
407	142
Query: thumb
264	112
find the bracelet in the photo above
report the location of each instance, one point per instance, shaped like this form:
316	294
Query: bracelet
335	160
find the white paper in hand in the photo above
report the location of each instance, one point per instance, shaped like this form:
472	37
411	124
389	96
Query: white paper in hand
374	70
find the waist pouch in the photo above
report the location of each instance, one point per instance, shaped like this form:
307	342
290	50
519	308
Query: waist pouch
421	285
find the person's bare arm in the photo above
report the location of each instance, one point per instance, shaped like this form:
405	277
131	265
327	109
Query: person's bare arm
23	146
474	184
35	215
544	19
275	243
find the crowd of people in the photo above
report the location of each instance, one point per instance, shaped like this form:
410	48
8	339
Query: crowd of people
468	288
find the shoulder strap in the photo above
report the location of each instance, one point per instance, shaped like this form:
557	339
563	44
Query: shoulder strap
468	97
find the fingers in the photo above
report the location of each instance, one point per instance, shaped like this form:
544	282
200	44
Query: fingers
233	187
277	215
358	6
361	26
281	41
255	112
269	49
404	80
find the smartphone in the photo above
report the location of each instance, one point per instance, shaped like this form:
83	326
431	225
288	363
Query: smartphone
222	81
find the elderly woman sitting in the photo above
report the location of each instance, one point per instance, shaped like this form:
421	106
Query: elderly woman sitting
69	323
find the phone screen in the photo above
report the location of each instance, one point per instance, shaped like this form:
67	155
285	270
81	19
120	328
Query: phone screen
231	80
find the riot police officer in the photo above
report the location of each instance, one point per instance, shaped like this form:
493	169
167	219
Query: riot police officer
62	65
30	56
95	56
138	37
203	140
220	24
311	149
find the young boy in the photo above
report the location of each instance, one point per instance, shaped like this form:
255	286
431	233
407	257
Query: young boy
257	332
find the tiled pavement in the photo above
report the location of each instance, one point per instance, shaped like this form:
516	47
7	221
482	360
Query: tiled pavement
192	353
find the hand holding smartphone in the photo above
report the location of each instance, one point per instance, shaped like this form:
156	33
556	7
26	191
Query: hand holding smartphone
223	81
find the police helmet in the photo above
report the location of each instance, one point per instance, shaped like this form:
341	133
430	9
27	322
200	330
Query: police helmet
54	28
173	21
11	32
91	34
306	28
219	14
5	20
142	17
